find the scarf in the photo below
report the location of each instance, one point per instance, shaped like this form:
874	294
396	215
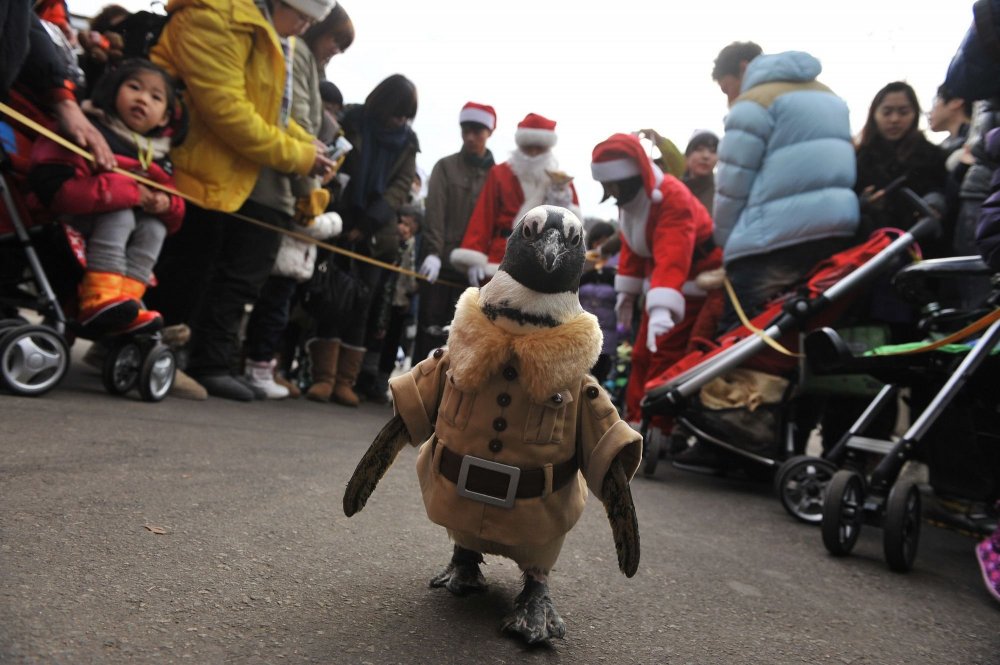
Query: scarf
126	142
380	148
485	162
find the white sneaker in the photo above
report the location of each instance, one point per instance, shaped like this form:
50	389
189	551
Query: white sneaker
261	375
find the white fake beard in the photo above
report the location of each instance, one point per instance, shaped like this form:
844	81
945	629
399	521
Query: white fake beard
632	220
531	174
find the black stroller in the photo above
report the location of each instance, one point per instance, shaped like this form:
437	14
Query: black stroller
955	431
763	448
34	358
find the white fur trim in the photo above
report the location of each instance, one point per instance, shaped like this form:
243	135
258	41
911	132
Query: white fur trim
626	284
542	137
463	259
314	9
656	196
491	269
616	169
478	115
672	299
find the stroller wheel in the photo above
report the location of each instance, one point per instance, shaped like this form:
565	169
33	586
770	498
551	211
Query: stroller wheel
800	484
157	374
843	512
901	526
121	368
33	359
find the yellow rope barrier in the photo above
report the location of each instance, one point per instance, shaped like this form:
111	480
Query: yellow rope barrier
69	145
774	344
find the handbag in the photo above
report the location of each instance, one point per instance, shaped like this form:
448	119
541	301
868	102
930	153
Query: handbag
333	291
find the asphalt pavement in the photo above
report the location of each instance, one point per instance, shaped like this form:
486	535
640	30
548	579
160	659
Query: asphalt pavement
212	532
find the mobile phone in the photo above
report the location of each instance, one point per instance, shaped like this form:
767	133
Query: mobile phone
894	185
339	148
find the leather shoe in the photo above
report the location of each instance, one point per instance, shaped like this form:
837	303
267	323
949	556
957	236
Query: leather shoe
702	458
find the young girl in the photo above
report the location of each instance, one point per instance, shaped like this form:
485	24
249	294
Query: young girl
133	107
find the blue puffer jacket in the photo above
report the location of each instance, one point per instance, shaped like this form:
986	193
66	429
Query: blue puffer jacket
786	162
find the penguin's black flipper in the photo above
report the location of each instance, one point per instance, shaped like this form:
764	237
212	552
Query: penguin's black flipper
376	461
621	513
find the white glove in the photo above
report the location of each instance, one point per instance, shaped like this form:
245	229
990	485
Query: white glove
477	274
431	267
660	323
625	309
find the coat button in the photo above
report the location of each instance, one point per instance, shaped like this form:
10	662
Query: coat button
503	399
438	352
496	445
509	373
499	424
593	392
557	398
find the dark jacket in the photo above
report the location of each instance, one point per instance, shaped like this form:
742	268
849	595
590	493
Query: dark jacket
988	231
377	219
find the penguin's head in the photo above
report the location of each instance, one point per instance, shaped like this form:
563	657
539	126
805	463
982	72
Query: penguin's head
545	250
537	282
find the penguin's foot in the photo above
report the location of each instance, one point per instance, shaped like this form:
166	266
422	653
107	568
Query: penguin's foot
535	617
462	576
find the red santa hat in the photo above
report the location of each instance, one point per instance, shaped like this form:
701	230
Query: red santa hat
480	113
620	157
535	130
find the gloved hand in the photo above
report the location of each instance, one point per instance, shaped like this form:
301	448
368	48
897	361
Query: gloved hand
625	309
431	267
661	321
476	275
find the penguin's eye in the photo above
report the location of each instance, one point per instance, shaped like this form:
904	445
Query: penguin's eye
574	240
526	230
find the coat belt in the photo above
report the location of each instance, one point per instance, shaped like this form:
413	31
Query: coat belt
486	481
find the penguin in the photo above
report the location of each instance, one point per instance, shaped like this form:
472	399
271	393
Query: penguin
513	431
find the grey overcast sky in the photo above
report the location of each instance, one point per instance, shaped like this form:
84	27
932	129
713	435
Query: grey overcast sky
599	68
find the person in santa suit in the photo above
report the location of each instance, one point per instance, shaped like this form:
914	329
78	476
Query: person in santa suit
667	247
530	177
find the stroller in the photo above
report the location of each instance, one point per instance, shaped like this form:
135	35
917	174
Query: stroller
775	432
34	358
956	431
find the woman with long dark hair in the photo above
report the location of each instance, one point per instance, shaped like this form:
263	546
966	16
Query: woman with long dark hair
380	169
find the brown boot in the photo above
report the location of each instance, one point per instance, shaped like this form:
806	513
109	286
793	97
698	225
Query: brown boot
323	354
348	369
282	380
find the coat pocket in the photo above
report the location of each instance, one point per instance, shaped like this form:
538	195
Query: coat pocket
546	420
456	405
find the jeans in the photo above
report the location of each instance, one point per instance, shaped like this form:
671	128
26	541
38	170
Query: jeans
270	318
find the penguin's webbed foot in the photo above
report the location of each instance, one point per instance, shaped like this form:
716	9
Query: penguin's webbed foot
462	576
535	617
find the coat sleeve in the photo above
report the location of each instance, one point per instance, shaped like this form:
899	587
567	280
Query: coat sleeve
215	80
434	211
741	153
416	395
673	247
66	184
603	437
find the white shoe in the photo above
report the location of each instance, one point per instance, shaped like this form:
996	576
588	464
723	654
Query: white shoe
260	375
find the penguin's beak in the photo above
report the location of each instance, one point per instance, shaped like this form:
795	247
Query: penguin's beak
553	246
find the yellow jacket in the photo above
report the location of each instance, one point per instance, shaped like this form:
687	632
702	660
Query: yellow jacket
230	61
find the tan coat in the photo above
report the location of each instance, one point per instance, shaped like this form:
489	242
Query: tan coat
454	397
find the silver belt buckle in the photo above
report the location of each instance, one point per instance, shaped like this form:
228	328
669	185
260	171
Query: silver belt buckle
513	472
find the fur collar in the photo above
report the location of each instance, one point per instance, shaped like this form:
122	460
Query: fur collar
549	359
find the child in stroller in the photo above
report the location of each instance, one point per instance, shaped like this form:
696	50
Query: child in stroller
133	106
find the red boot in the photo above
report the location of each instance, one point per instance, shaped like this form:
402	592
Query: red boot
103	306
145	321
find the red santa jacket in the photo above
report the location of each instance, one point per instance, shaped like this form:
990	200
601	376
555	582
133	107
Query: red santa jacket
492	219
669	248
67	183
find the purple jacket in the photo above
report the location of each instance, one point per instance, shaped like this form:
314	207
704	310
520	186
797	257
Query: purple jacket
597	296
988	230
